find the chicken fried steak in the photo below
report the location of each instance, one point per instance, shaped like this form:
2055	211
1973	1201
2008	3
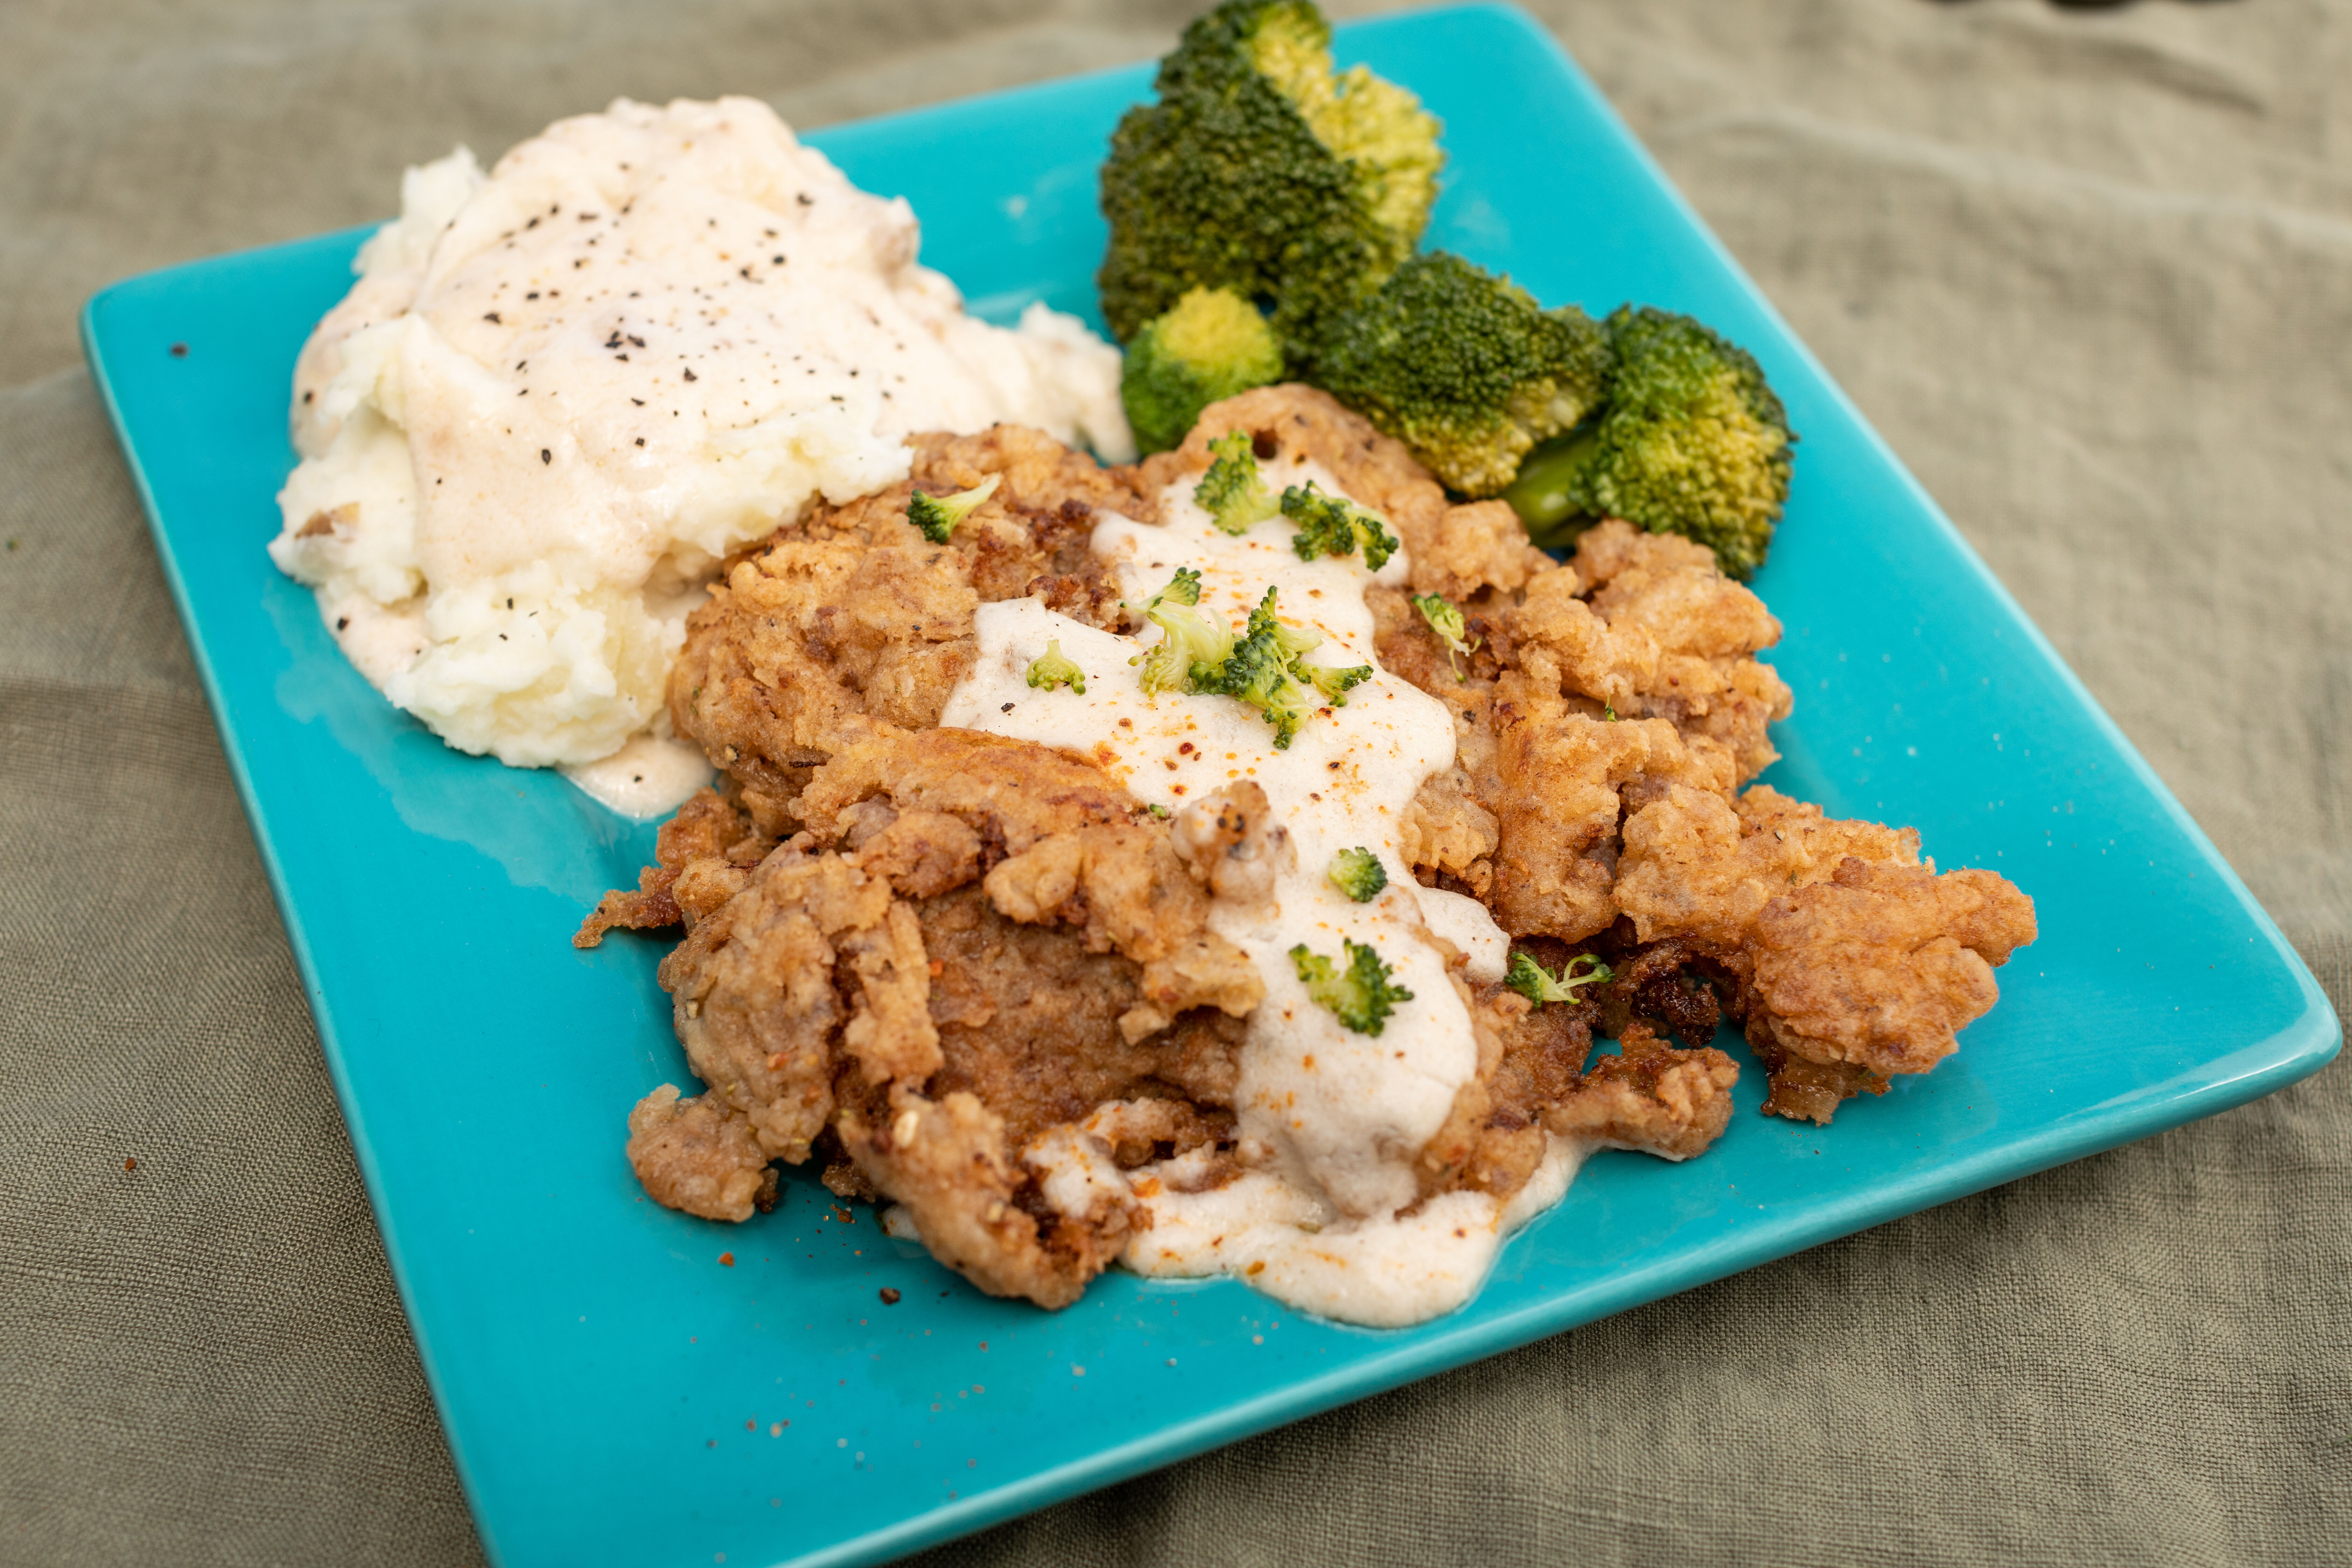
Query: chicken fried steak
1013	989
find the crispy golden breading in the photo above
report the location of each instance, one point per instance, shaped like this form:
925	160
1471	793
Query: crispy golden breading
972	977
707	829
1847	958
699	1156
974	941
1532	1080
1662	1101
1881	966
1570	698
849	623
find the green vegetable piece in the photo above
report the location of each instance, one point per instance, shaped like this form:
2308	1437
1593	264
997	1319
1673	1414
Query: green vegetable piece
1231	492
1544	494
1359	873
1444	618
1261	170
1189	640
1210	345
1053	668
1465	368
1258	672
1262	669
936	516
1185	588
1334	681
1693	441
1532	981
1334	525
1361	996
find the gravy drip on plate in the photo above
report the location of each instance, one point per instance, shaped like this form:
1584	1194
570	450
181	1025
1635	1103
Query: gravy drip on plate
1331	1120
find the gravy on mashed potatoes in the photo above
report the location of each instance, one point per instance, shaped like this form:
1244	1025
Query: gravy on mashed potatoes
562	392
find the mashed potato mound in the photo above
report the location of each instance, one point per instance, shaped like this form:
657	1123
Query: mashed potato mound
562	392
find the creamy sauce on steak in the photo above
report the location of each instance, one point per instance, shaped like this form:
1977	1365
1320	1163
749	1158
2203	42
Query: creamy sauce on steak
1330	1119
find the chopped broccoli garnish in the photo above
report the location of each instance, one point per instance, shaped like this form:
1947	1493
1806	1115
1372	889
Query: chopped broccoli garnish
1464	368
1336	680
1231	493
1261	170
1444	618
936	516
1258	672
1264	670
1539	985
1359	874
1189	640
1185	588
1361	998
1334	525
1693	441
1053	668
1211	344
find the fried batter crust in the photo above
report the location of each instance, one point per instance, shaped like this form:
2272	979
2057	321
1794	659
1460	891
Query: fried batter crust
972	962
974	942
1847	958
708	828
849	625
698	1155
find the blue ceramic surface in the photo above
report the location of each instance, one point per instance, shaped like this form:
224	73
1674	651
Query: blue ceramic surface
614	1394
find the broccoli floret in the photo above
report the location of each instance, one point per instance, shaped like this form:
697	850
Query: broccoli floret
1336	680
1334	525
1053	668
1189	640
1185	588
1212	344
1359	874
1264	670
1258	672
1261	170
1693	442
1464	368
1362	997
1231	493
936	516
1444	618
1539	985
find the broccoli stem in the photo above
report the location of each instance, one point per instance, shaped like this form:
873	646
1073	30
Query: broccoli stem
1541	493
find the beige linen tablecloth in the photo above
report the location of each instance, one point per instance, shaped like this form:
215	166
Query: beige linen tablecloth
2090	270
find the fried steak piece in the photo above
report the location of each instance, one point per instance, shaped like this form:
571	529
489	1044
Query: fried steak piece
940	963
1846	956
1611	709
973	942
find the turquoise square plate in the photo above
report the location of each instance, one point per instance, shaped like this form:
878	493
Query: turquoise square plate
617	1390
